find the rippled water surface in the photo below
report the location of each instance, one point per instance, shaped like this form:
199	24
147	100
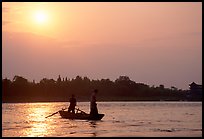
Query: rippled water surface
145	119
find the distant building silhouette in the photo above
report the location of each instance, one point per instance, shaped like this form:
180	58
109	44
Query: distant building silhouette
59	79
195	92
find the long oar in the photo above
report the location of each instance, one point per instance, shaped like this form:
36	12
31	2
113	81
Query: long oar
54	113
80	110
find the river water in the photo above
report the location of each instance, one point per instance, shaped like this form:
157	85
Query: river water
122	119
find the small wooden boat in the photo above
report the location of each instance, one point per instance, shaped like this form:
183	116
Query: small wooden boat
82	115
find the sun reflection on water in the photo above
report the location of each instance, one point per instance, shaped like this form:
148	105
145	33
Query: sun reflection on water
28	119
39	125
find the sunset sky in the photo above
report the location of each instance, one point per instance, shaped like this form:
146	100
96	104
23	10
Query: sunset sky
152	43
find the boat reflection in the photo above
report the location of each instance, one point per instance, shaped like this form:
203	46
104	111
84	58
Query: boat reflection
93	124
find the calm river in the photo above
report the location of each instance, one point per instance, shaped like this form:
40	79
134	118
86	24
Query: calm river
126	119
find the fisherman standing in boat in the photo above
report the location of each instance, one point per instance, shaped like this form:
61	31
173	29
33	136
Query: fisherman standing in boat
93	105
72	104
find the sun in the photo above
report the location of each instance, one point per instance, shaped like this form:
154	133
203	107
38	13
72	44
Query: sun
41	17
40	21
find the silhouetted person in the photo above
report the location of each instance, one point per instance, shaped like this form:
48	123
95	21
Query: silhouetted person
72	104
93	105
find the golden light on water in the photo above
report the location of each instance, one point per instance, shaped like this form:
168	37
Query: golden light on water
37	121
39	129
36	125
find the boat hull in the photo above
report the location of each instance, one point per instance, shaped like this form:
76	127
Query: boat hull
82	116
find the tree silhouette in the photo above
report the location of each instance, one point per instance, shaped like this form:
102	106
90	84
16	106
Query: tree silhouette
21	90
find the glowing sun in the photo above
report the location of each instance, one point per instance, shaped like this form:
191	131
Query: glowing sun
41	17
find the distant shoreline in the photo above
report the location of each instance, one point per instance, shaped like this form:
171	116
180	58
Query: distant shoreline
108	101
122	89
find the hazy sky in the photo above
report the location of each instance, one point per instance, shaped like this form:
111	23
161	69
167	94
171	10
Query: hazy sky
152	43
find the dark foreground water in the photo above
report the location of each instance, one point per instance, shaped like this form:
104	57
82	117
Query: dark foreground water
143	119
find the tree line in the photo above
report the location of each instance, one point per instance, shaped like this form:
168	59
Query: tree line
21	90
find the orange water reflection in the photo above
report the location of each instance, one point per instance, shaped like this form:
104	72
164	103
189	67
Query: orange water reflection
36	125
39	125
